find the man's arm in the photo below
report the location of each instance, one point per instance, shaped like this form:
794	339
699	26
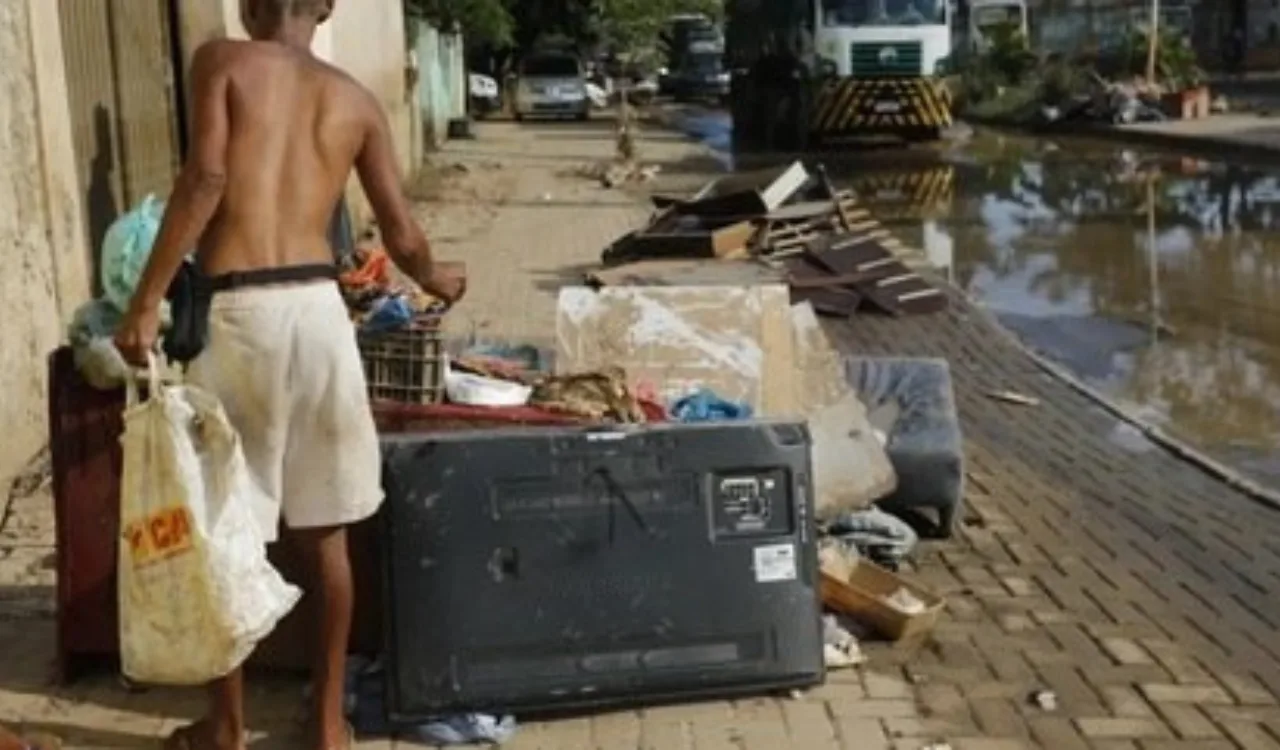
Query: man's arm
199	188
380	177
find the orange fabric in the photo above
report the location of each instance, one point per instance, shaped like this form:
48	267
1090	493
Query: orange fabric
375	269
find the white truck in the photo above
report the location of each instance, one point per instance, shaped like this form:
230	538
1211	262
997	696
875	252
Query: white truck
978	18
881	64
815	73
883	38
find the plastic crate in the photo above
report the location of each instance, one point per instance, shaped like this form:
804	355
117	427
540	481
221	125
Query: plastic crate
405	366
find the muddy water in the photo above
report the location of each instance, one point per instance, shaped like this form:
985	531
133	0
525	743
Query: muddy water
1153	277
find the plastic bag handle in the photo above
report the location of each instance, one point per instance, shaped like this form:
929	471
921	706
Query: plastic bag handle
131	382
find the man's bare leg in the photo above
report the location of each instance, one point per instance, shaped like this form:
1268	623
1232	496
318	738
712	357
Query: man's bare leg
224	729
325	551
11	741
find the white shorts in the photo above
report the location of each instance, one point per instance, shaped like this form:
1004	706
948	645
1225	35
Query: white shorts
284	362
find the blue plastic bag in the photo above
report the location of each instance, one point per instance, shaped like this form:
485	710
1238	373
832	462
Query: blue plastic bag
125	251
704	405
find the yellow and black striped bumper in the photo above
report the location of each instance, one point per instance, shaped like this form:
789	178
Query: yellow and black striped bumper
873	106
921	192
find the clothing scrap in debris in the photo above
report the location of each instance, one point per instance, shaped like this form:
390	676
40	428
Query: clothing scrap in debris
602	395
881	537
705	406
380	301
367	712
520	362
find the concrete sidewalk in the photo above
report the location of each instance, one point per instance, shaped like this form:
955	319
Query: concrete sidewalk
1140	592
1242	137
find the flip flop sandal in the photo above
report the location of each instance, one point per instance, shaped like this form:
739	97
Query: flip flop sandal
186	737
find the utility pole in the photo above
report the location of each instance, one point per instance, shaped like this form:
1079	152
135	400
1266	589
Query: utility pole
1153	41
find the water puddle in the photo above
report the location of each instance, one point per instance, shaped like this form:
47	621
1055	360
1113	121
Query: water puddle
1155	278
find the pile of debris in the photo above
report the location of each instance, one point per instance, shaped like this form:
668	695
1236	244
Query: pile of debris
788	222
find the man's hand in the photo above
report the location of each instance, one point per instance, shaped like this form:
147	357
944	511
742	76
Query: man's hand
446	282
136	338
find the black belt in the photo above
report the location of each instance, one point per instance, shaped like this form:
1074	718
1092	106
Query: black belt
272	276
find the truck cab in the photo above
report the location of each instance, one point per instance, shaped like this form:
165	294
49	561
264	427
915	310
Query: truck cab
882	38
830	73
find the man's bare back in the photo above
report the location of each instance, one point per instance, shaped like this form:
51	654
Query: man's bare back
275	134
296	127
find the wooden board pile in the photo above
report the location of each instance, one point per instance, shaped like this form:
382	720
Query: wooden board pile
827	248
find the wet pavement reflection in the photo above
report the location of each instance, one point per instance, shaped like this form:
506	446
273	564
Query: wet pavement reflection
1153	277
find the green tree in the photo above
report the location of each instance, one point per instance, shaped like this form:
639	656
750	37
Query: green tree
517	25
636	25
489	22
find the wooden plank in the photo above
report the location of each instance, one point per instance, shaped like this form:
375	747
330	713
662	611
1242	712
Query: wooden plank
686	272
836	280
669	241
841	303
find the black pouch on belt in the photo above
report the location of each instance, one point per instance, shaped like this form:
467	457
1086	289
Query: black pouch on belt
189	295
191	290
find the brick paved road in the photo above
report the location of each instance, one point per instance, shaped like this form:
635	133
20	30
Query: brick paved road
1144	592
1139	590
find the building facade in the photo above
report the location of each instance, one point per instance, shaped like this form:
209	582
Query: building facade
93	108
46	270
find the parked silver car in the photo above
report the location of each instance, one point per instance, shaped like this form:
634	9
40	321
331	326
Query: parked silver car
552	84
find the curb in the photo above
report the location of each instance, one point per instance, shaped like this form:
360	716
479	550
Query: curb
1205	146
1178	447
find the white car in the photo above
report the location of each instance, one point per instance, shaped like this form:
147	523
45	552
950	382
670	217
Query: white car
552	84
483	94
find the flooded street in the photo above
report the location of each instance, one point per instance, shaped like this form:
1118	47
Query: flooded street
1154	278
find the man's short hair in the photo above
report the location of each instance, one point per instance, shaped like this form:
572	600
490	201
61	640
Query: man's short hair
295	8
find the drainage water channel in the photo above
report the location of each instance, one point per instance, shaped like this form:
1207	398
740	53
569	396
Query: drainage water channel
1154	278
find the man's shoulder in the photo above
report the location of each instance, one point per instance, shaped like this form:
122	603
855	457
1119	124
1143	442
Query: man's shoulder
221	52
346	86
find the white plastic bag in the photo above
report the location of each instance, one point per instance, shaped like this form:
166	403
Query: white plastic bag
196	590
478	390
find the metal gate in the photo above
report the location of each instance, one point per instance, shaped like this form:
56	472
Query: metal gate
121	81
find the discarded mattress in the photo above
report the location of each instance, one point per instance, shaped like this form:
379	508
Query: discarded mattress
911	401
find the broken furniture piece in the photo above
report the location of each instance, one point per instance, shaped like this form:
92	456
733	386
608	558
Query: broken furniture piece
863	266
747	194
912	402
834	254
676	236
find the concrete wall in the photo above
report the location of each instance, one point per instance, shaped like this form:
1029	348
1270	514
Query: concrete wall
365	37
46	274
442	80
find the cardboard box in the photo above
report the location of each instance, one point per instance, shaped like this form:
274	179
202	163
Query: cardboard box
864	597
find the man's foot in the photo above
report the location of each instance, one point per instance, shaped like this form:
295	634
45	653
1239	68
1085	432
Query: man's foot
341	739
43	742
203	735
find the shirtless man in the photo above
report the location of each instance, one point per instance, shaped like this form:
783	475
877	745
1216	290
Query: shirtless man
276	133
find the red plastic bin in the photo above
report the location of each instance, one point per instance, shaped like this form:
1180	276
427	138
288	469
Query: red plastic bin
84	437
